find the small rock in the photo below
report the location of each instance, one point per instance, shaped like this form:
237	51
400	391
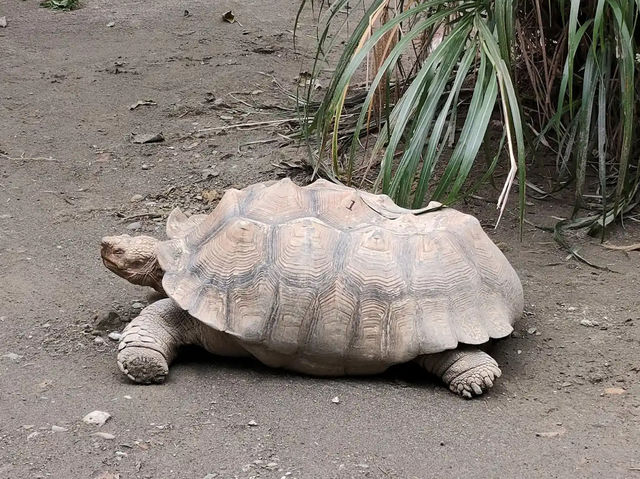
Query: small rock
516	334
107	321
115	336
335	400
144	166
571	308
519	351
271	465
134	226
98	340
3	22
33	434
209	173
97	418
148	138
532	330
587	323
104	435
252	423
556	433
137	305
58	429
136	198
111	24
211	476
121	454
219	102
12	356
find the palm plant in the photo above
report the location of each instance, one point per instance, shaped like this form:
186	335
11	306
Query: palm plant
562	75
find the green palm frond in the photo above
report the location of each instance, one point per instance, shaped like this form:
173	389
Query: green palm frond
449	62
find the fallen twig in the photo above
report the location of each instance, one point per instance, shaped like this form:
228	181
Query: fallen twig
631	247
142	215
33	158
257	142
251	124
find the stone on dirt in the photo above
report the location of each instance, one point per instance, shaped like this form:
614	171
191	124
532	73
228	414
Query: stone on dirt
136	225
97	418
108	321
12	356
58	429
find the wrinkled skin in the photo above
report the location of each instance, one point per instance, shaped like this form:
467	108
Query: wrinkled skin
134	259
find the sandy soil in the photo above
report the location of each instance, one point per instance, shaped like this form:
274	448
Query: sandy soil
568	403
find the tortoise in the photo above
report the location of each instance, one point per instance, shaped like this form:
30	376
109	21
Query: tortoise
324	280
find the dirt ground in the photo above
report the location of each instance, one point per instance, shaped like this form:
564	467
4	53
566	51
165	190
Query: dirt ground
568	404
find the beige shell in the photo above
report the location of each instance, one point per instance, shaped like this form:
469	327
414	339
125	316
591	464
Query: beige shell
328	279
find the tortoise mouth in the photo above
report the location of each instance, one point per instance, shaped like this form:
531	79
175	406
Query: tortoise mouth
110	265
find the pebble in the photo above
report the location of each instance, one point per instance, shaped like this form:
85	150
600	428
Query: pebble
136	225
588	324
111	24
96	417
127	397
211	476
335	400
58	429
104	435
12	356
144	166
115	336
121	454
209	173
33	434
252	423
98	340
137	305
271	465
532	330
136	198
107	321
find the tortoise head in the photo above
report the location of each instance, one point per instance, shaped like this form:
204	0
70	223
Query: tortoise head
133	258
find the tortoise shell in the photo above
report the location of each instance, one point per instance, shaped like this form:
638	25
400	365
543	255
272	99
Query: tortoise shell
329	279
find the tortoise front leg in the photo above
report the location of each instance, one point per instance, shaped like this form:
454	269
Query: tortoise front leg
468	371
150	342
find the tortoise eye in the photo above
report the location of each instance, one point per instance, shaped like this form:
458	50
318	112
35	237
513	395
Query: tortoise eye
118	251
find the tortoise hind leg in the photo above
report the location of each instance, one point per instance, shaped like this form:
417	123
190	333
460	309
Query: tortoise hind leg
467	371
151	341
